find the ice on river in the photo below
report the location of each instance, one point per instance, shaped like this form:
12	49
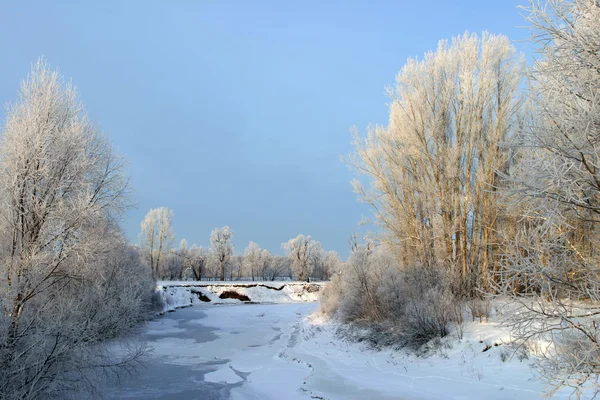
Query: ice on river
207	352
284	351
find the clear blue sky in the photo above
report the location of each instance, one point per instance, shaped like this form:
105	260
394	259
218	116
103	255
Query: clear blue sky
236	112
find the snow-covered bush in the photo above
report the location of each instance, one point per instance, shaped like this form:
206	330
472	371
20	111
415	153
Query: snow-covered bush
331	296
430	305
361	279
406	306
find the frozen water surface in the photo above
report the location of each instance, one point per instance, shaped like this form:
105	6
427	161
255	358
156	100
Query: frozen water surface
208	351
287	352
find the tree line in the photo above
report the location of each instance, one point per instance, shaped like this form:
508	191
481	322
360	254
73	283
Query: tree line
305	258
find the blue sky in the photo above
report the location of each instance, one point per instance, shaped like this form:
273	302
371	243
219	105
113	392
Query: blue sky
236	112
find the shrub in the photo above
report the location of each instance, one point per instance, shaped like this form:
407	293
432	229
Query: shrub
232	294
406	306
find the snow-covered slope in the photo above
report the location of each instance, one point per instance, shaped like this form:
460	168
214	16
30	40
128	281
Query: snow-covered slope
178	294
481	365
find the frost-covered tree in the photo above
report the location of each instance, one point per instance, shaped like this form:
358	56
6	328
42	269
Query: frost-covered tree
258	263
555	258
221	247
197	259
237	267
156	237
266	265
212	266
279	267
183	253
302	251
252	260
331	264
172	266
193	260
68	281
319	270
434	169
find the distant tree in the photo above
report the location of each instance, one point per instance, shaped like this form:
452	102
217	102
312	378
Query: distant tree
193	260
183	254
197	257
236	269
279	267
258	263
252	260
212	266
302	252
172	266
331	264
318	262
266	265
221	247
156	236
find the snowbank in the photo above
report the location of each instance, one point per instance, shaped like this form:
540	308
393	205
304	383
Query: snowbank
481	365
178	294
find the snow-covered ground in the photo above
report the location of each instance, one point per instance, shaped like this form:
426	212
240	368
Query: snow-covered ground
290	351
480	366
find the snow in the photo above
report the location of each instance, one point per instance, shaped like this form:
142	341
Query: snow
291	351
226	375
456	369
177	294
459	372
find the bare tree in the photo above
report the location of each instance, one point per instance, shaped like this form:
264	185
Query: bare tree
156	236
434	170
221	247
67	280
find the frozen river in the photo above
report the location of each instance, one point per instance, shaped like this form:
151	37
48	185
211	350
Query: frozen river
272	351
221	352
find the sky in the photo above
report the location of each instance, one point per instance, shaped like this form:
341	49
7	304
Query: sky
237	112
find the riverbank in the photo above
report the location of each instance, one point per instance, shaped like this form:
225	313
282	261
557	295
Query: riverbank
178	294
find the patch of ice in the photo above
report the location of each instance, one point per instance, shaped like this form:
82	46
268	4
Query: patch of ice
226	375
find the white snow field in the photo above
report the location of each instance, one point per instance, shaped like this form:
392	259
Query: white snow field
289	351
